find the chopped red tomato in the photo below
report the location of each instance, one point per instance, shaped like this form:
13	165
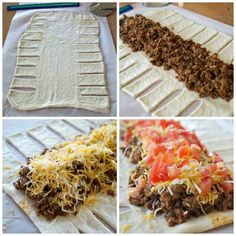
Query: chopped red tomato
183	151
223	173
227	186
191	138
159	171
166	123
218	158
206	184
196	151
155	149
212	167
183	163
146	123
173	172
128	136
204	172
149	161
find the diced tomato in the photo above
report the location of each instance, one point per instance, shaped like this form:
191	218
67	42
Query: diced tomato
166	123
183	163
155	149
223	173
204	172
145	123
212	167
183	151
159	170
173	134
128	136
227	186
196	151
149	161
206	184
173	171
191	138
218	158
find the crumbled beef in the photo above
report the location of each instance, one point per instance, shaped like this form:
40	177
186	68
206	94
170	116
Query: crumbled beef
200	70
178	206
224	201
136	156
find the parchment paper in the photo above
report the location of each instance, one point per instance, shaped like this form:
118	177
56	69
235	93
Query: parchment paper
17	27
128	105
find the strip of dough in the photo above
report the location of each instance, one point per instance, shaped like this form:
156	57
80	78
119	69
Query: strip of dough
43	135
24	144
103	208
63	129
82	125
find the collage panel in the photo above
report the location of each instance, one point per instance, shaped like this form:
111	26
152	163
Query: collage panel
147	148
176	59
178	176
59	176
59	61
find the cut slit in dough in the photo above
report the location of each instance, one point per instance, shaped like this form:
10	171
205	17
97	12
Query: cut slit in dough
57	50
135	69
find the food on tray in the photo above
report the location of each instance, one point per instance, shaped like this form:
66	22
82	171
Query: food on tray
175	173
60	180
200	70
60	53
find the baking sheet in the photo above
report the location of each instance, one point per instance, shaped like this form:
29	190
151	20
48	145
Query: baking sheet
14	219
17	27
128	105
216	129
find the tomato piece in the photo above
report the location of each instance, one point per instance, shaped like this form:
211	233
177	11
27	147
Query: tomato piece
191	138
204	172
183	151
212	167
149	161
145	123
156	149
128	135
183	163
196	151
206	184
173	172
223	173
227	186
218	158
166	123
159	170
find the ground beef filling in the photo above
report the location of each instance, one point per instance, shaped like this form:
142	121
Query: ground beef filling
134	155
180	206
200	70
43	201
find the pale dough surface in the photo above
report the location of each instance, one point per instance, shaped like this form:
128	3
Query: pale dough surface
157	90
60	64
217	136
55	131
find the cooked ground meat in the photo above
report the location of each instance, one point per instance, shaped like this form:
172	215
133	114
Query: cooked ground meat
200	70
177	208
136	156
43	201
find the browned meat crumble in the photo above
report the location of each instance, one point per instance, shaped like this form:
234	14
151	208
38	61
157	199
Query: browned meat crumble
200	70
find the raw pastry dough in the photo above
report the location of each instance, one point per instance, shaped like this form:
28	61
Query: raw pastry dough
152	85
86	221
59	64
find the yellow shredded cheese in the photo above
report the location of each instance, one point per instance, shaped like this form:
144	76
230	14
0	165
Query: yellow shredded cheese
125	228
95	152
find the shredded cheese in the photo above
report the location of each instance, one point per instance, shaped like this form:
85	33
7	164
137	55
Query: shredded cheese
95	155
